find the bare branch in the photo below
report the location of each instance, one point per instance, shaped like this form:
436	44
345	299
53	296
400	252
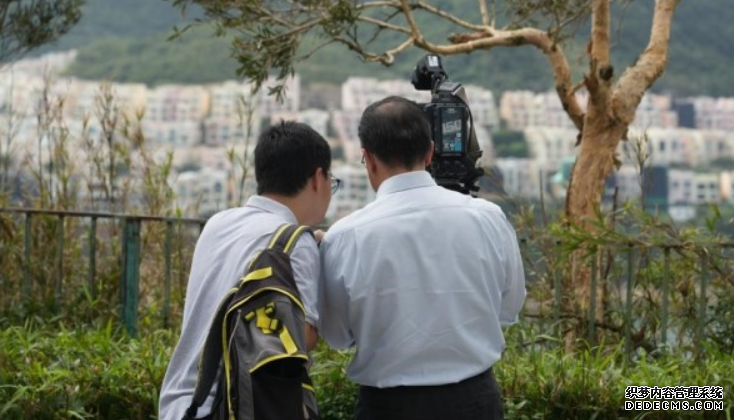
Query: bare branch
637	79
375	4
600	31
578	87
387	58
384	25
411	20
448	16
598	81
484	12
300	28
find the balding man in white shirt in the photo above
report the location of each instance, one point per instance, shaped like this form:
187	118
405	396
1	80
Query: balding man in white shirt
421	282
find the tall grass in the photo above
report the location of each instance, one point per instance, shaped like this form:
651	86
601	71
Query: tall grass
100	373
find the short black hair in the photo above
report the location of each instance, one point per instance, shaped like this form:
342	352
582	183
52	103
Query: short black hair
395	130
286	155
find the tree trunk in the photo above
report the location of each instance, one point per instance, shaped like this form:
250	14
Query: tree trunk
594	164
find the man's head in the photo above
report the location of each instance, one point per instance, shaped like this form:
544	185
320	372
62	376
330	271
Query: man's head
396	137
293	166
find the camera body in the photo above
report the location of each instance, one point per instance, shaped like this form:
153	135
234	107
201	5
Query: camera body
455	147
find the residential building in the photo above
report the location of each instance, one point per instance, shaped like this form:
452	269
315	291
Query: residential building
707	188
520	177
681	186
267	104
173	133
231	100
714	113
550	146
345	125
201	192
354	192
170	103
315	118
227	131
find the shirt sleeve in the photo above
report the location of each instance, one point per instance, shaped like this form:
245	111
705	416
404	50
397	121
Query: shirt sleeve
513	291
306	271
333	302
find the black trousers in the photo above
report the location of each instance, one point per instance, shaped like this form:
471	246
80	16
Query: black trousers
476	398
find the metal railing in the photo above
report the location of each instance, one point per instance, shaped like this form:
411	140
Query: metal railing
130	255
131	249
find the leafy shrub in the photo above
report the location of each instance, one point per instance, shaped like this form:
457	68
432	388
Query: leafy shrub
98	373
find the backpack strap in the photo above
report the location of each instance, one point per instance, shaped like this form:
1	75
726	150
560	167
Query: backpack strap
210	358
285	238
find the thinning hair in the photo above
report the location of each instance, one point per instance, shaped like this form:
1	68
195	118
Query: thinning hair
395	130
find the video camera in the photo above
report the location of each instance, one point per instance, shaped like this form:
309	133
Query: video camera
456	148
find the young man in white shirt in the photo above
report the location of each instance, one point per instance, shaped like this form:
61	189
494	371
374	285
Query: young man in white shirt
294	185
420	281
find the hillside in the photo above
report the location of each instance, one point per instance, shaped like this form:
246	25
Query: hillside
130	46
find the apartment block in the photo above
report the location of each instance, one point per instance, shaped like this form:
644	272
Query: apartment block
354	192
201	192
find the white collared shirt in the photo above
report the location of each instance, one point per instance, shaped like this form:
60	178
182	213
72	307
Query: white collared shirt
222	252
420	281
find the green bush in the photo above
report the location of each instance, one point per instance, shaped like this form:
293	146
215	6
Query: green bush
98	373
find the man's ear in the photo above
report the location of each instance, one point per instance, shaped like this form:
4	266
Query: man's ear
429	155
314	180
370	161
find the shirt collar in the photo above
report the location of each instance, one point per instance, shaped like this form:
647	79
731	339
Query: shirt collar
271	206
405	181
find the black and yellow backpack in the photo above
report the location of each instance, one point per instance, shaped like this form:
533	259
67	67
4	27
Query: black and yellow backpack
257	339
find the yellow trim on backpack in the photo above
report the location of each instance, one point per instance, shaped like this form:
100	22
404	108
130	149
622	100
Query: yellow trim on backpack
288	344
277	234
260	274
308	387
252	261
227	366
295	235
262	290
267	360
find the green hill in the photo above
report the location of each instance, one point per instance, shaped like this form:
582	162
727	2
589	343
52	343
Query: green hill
130	45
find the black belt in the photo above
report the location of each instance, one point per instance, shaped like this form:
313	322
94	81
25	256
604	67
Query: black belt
486	375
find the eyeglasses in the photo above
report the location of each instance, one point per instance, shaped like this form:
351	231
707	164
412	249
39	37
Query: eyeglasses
335	182
362	161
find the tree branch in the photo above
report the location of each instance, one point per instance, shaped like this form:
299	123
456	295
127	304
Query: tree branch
599	80
451	18
637	79
483	11
387	58
465	43
385	25
411	20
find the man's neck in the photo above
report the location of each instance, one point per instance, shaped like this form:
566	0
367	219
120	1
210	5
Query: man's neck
293	203
387	173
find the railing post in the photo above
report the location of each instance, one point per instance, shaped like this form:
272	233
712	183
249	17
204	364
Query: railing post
27	286
523	256
3	286
130	274
592	304
701	316
558	293
167	282
59	289
91	283
666	296
628	305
